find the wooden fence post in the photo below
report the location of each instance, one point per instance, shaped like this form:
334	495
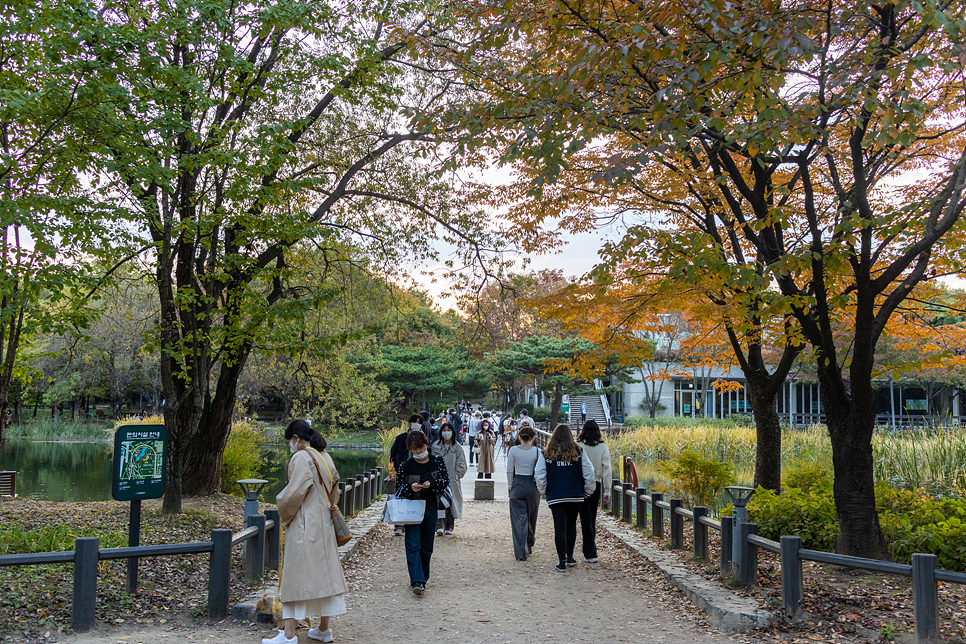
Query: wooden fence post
626	511
700	533
925	598
85	584
273	550
219	574
615	502
793	587
641	507
677	523
657	515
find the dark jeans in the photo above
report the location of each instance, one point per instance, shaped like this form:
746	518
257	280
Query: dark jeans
447	522
419	546
565	528
588	523
472	442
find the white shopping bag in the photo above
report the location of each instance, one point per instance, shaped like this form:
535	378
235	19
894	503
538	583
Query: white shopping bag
404	511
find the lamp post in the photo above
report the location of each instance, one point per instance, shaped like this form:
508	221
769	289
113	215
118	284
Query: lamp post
739	502
252	488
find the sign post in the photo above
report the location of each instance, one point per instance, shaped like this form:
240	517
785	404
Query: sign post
137	473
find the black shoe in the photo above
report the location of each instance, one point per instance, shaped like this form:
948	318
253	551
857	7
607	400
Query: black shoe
571	561
561	567
419	588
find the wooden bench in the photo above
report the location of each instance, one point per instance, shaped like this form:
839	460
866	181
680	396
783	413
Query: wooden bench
8	484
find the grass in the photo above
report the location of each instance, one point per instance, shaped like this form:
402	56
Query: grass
53	537
47	429
930	460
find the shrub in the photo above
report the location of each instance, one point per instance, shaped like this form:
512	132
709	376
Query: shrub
242	455
807	475
795	512
539	414
696	479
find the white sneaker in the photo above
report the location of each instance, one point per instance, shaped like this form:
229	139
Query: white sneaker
280	639
439	531
322	636
591	560
447	532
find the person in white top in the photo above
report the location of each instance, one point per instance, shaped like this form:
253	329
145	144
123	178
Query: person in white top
597	451
525	419
524	497
473	426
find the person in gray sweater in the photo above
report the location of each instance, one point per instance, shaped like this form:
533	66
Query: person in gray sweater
524	497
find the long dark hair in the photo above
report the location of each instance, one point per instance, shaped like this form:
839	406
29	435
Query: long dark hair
590	434
442	428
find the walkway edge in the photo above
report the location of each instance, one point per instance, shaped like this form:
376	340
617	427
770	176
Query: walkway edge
361	525
724	609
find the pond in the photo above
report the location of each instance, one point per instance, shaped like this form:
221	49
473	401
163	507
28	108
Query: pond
80	471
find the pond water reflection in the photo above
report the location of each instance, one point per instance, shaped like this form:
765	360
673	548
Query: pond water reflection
80	471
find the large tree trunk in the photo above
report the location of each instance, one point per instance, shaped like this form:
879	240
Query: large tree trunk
202	459
851	421
768	435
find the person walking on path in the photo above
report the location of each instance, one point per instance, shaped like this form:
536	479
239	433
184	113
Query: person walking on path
312	583
399	453
525	419
424	476
449	449
583	412
566	476
521	462
472	427
599	454
485	442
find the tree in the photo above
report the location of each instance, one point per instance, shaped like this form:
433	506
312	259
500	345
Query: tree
46	224
761	145
227	134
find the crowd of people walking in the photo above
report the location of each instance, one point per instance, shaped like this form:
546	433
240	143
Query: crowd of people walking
429	461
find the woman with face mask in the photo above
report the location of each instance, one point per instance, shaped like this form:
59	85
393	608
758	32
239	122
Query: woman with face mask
486	441
312	583
399	453
424	476
449	449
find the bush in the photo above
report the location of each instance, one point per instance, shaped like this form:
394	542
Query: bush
807	475
242	455
795	512
912	522
695	479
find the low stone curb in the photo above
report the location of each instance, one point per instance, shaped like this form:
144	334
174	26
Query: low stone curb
726	610
360	525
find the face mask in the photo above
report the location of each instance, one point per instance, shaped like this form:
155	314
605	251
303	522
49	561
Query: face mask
293	445
422	456
447	434
415	426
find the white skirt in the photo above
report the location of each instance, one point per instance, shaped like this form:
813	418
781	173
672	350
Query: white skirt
321	607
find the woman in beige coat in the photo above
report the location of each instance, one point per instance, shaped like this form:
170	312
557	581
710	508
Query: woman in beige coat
485	441
312	582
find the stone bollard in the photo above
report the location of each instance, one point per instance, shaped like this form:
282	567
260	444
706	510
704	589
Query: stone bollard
483	489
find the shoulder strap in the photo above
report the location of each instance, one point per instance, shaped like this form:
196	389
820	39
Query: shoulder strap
328	491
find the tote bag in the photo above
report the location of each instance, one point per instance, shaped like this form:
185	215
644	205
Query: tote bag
343	534
405	511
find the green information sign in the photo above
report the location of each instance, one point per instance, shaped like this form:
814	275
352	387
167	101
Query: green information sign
140	455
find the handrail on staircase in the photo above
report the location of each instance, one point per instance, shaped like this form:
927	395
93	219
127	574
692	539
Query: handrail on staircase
598	384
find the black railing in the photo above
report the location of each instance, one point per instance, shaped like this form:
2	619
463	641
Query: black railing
632	504
263	553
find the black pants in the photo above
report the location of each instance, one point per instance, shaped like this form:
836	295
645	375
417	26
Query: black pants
565	528
472	442
588	523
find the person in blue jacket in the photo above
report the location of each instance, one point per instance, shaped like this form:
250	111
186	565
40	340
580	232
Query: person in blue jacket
566	477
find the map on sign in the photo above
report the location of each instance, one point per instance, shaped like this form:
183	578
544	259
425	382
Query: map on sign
142	459
138	468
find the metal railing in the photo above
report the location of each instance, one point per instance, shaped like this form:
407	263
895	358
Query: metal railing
262	530
629	505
